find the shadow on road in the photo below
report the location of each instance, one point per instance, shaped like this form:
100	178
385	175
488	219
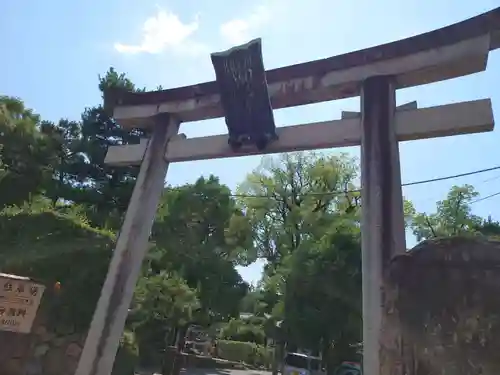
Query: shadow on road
215	371
211	371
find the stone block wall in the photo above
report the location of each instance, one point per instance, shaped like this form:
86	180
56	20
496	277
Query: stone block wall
43	352
446	298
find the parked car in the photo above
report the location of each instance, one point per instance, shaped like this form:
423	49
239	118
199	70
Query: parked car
302	364
349	368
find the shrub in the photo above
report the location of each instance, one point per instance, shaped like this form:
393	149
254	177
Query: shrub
50	247
247	352
250	330
127	356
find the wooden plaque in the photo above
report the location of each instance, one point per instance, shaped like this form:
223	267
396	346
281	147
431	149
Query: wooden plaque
241	78
19	300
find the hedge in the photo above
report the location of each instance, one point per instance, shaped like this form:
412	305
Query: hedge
127	357
51	248
247	352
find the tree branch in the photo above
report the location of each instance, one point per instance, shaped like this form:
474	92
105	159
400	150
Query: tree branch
427	221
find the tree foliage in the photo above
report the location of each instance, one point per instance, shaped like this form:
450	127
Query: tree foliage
51	247
453	216
295	194
164	298
80	175
198	234
189	275
323	291
26	155
61	208
247	330
306	224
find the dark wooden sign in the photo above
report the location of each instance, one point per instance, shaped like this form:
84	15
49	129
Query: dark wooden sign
241	78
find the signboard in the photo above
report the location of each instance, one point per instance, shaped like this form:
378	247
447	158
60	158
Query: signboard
19	300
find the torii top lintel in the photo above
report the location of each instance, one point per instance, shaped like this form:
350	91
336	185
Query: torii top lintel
449	52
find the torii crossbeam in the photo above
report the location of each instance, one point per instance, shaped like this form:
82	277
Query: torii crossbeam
374	74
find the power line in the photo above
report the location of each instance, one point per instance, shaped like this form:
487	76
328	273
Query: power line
492	178
452	176
484	198
420	182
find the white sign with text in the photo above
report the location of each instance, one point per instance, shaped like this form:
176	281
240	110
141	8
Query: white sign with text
19	301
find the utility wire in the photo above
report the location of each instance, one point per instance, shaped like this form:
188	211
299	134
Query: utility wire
451	177
420	182
486	197
492	178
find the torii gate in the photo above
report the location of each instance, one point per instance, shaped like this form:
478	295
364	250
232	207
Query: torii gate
246	94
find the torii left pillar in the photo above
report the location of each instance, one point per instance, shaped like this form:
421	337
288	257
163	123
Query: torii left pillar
111	313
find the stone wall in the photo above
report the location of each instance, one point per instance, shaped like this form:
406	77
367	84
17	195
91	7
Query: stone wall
43	352
447	301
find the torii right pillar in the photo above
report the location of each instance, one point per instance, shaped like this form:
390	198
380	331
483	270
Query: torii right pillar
383	232
433	310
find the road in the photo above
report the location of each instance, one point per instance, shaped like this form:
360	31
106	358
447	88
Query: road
223	372
215	372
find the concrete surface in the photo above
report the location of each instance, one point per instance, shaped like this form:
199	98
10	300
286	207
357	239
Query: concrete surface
199	371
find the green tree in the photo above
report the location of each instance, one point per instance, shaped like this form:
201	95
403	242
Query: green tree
64	138
164	297
197	245
25	153
294	191
322	302
254	302
246	330
162	303
80	173
306	225
489	228
453	216
198	233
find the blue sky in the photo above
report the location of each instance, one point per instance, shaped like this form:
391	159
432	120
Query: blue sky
54	50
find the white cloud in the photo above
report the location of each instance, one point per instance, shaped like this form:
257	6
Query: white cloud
165	32
241	30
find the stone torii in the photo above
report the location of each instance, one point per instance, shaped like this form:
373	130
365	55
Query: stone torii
245	94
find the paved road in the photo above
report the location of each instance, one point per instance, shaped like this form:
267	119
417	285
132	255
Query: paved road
223	372
215	372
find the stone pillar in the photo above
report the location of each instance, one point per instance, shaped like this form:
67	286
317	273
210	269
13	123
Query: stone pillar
448	304
382	224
